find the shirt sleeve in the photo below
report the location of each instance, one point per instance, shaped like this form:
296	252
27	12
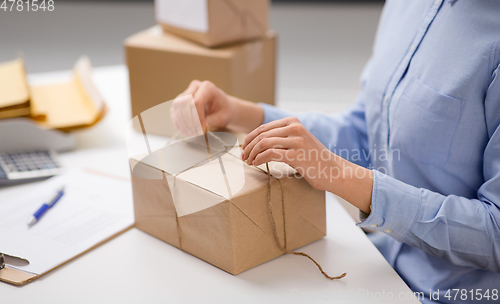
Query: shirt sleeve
463	231
343	133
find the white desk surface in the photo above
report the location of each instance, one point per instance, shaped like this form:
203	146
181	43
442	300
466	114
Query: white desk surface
137	268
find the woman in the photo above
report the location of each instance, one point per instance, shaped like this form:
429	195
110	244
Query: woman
422	142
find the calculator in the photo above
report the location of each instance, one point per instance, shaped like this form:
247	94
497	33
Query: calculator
25	166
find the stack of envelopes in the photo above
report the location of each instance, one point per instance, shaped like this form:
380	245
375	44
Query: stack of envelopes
65	106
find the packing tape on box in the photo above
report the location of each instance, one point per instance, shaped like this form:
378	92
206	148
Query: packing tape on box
254	55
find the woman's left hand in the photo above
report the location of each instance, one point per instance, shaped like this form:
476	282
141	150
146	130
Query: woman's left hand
287	140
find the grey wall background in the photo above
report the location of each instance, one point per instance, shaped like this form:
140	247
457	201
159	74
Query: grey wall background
323	46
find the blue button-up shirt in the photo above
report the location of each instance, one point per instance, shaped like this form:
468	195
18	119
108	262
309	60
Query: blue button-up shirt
427	121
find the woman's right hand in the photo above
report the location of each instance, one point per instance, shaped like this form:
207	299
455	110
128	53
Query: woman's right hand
213	106
218	110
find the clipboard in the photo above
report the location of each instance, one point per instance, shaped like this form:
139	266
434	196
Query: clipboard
18	276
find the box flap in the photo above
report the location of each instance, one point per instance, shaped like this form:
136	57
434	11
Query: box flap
216	169
190	168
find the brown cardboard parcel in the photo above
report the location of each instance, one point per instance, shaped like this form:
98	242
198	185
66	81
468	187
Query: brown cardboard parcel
223	218
214	22
161	66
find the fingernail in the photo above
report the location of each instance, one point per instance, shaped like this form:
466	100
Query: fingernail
242	156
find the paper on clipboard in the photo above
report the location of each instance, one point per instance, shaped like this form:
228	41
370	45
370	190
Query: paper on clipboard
93	209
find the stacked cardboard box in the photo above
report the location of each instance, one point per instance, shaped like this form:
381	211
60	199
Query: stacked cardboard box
214	22
196	194
223	41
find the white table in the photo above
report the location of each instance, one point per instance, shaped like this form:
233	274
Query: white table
137	268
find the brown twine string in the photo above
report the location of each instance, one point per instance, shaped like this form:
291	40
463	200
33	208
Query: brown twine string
178	226
284	248
164	175
173	193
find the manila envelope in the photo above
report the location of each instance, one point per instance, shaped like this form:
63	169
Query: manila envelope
14	91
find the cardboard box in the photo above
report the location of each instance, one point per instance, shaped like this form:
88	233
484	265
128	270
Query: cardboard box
222	216
161	66
14	91
214	22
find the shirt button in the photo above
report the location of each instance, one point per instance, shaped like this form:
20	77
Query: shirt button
386	98
373	225
388	231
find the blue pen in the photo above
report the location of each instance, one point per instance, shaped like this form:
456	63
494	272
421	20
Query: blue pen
41	211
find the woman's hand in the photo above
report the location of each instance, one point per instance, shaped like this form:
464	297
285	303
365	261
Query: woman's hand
211	103
288	141
217	110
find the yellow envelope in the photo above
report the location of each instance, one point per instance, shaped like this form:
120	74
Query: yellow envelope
68	106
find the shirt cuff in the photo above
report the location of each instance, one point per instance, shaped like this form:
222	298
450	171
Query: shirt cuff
395	206
272	113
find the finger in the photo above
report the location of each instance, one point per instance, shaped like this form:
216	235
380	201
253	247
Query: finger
178	108
195	126
192	88
269	155
190	117
202	98
269	143
278	132
269	126
301	171
176	114
181	114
